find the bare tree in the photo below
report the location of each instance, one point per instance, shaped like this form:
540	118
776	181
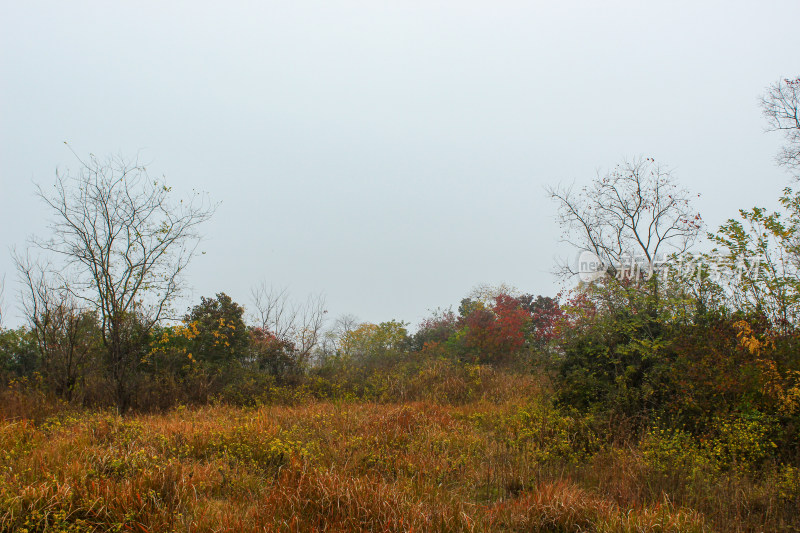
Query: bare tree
330	341
65	333
345	324
289	321
125	244
636	211
274	311
781	107
311	320
486	293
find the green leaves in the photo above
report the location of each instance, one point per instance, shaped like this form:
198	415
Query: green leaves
761	255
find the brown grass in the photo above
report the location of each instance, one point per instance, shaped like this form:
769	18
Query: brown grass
513	464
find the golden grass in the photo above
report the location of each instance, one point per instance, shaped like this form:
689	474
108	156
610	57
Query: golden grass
516	465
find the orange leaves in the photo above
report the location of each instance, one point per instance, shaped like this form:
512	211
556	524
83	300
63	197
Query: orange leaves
746	338
782	387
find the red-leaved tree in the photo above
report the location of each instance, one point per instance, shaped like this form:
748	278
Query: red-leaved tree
494	334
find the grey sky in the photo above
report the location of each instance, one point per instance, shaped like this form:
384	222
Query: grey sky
390	154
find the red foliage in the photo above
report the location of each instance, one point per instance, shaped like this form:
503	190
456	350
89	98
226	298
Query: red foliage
437	328
576	313
497	332
546	315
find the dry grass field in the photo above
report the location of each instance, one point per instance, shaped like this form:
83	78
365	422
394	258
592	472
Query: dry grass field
503	461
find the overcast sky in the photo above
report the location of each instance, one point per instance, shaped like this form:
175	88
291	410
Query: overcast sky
389	154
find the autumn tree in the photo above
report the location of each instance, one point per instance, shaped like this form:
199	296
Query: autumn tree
615	334
545	315
761	248
761	261
123	244
222	336
491	333
375	344
435	329
270	354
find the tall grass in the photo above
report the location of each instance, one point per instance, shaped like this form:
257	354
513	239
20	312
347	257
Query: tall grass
499	461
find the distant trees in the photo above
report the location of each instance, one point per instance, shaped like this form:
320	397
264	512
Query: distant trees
494	325
375	344
436	329
723	335
331	342
545	315
18	353
270	354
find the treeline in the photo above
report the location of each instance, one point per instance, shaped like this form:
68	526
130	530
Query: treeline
214	354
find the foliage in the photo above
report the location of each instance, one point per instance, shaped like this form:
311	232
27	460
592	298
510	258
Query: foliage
492	333
437	328
545	315
375	344
738	442
271	354
220	334
616	360
18	355
761	255
711	373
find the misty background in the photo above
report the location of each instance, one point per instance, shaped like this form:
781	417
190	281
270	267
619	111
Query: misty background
392	155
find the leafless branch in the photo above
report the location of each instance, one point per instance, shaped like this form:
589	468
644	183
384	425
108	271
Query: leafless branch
299	324
274	311
62	328
781	107
636	210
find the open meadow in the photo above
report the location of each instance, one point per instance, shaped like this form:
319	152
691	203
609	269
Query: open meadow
473	450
